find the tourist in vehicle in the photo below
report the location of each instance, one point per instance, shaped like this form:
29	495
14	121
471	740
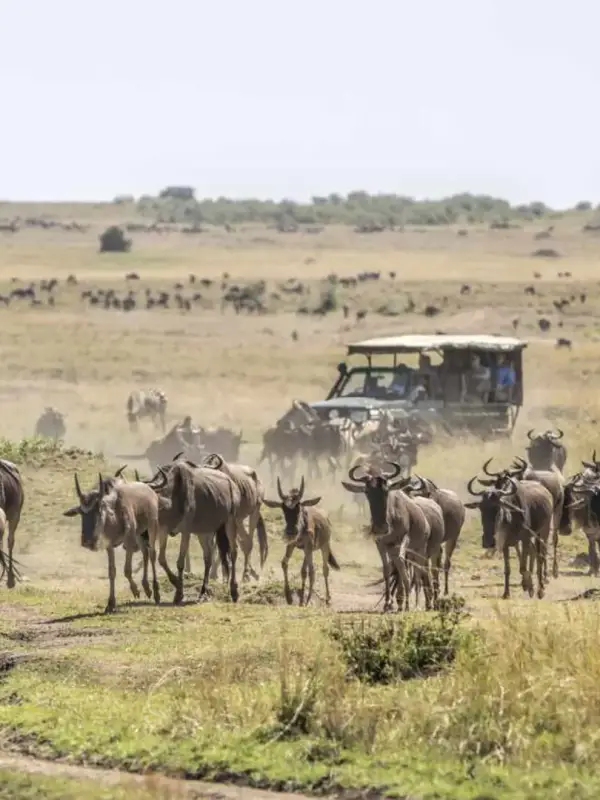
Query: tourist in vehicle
477	382
419	390
506	379
400	381
430	373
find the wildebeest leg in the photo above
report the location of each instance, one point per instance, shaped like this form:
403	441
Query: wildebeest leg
188	564
310	565
184	546
385	568
396	557
506	555
145	559
284	566
325	554
208	550
593	554
527	554
10	578
231	529
112	571
540	553
128	572
448	551
246	539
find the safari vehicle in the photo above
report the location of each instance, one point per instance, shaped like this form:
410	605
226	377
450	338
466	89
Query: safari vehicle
460	383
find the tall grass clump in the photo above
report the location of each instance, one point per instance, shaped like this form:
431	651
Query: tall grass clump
387	650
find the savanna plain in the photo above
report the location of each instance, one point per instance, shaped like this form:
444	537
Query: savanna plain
485	699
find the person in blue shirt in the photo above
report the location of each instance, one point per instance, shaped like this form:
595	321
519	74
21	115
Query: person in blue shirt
506	378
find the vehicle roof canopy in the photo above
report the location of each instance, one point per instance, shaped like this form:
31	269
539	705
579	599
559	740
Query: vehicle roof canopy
414	343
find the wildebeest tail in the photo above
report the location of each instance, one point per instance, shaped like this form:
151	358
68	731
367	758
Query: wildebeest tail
564	526
263	543
224	550
332	561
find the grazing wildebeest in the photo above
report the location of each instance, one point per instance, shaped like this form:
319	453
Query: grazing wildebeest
453	511
309	529
398	525
252	494
51	424
120	513
518	515
12	497
147	403
546	449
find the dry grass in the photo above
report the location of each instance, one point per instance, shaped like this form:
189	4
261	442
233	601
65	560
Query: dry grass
202	684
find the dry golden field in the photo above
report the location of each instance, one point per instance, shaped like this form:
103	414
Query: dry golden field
197	690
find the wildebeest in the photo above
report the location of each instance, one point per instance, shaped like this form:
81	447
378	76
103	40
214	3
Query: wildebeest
163	450
398	525
552	479
577	508
453	511
120	513
252	493
150	403
308	528
199	500
518	515
12	498
546	449
51	424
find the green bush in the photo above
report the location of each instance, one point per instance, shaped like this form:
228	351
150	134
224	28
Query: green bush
389	650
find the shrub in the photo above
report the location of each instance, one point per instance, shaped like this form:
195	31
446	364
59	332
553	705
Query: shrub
399	649
113	241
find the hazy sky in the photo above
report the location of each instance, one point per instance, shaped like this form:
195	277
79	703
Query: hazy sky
288	99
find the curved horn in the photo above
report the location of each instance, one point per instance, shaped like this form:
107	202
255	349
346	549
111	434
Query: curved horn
78	489
352	474
487	471
389	476
422	485
120	471
280	490
530	434
137	475
556	436
301	489
101	483
471	490
178	455
214	460
594	456
164	481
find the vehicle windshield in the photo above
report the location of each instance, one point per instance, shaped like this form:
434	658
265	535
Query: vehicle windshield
387	383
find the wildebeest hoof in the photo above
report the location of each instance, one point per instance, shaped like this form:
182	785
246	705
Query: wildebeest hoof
541	592
10	581
555	571
156	593
234	593
110	608
506	596
178	598
147	589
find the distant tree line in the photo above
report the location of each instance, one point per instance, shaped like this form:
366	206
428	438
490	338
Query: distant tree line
368	212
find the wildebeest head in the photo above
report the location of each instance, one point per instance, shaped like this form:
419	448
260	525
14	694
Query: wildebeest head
493	506
592	468
586	488
88	507
376	484
546	449
292	505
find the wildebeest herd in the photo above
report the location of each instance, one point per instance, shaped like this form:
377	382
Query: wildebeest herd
414	523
